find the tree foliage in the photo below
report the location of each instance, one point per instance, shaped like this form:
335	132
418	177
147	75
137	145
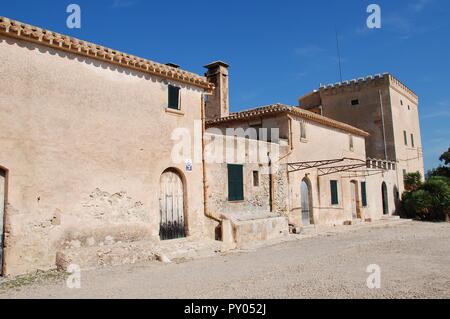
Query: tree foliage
430	200
413	181
442	170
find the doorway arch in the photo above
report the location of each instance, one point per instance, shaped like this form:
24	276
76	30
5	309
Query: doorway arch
396	199
172	205
306	201
384	196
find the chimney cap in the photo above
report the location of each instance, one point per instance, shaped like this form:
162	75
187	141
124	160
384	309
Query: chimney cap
173	65
216	64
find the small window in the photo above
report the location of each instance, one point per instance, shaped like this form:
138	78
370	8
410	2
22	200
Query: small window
350	142
334	193
255	178
257	129
355	102
174	97
405	136
273	135
409	108
302	130
401	102
412	140
235	182
363	194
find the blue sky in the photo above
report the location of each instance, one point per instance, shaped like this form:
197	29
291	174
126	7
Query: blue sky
278	50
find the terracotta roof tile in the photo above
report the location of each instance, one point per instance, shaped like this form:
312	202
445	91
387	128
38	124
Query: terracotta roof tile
22	31
274	109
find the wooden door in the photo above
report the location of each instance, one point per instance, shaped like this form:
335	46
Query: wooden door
171	202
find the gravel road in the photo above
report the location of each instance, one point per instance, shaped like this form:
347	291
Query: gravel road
414	259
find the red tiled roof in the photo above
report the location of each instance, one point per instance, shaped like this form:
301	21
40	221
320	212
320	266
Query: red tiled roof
275	109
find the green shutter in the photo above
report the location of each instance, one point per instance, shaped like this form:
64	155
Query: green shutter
235	182
334	193
364	194
174	97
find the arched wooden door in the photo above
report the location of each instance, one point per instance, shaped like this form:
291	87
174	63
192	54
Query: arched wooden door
306	203
2	214
384	195
171	203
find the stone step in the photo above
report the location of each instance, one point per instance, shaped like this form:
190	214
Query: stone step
387	217
120	253
356	221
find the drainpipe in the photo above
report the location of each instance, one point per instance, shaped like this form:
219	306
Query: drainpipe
205	183
291	148
382	123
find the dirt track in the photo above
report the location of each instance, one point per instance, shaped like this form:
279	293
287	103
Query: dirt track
414	259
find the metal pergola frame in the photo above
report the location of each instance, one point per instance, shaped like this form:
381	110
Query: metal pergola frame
324	169
364	173
340	168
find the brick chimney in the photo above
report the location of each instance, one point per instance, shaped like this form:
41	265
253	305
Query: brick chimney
218	104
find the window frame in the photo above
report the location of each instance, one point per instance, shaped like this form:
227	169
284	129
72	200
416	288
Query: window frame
170	97
334	192
364	194
255	175
405	137
303	135
355	102
233	194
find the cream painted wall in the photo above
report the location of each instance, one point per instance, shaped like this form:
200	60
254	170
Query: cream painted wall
322	143
410	158
74	134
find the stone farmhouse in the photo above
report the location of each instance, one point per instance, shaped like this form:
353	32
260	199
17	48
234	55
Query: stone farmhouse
104	149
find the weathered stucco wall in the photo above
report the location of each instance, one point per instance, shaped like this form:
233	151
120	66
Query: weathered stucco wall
405	115
256	198
313	148
400	110
337	104
85	143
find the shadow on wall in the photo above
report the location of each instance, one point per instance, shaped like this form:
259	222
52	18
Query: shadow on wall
87	60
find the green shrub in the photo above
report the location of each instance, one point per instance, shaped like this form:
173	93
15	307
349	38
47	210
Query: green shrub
431	201
413	181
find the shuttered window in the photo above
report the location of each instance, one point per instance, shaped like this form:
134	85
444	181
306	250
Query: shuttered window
363	194
235	182
334	193
255	178
302	130
405	137
412	141
174	97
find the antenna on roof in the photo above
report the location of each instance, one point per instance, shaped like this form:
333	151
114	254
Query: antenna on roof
339	54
